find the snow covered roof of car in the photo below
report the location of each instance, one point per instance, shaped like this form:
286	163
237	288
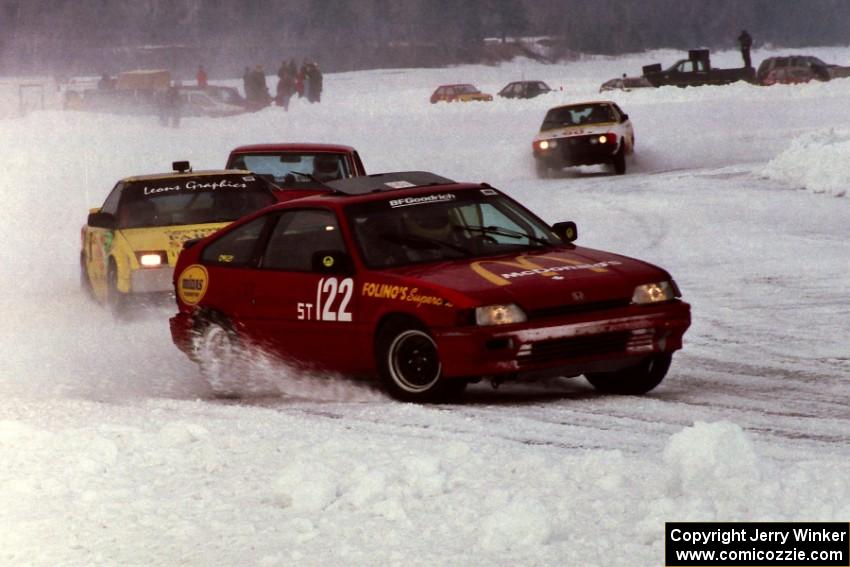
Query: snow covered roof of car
387	182
190	173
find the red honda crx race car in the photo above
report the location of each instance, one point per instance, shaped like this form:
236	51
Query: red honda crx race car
428	284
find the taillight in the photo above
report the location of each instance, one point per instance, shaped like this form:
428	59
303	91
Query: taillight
152	259
608	138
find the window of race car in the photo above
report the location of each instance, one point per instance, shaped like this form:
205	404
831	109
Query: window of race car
469	225
296	169
187	200
578	115
387	235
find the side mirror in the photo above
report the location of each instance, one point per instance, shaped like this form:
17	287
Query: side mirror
624	118
566	231
331	262
102	220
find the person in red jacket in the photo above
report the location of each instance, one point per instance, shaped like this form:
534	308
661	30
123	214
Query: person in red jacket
201	77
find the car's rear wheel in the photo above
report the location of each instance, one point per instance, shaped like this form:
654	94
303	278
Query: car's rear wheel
620	161
637	379
409	364
85	282
218	352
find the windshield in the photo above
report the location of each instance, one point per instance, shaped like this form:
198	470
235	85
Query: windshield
191	200
444	226
577	115
286	167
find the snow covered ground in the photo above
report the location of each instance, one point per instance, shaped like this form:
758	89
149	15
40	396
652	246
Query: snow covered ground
112	453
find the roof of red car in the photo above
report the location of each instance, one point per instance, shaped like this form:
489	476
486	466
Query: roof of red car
293	147
383	185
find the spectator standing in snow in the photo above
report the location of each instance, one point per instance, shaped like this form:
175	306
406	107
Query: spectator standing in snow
248	85
201	77
300	78
316	79
169	107
285	85
746	42
262	95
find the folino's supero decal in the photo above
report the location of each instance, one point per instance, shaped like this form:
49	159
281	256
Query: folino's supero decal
402	293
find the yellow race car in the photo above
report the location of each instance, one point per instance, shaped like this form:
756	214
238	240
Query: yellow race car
130	244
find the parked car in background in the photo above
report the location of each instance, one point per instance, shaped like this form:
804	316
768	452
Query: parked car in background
524	89
793	69
694	71
214	100
587	133
196	101
131	92
459	93
625	84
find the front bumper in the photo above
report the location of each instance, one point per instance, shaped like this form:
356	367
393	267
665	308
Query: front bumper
565	346
577	150
182	328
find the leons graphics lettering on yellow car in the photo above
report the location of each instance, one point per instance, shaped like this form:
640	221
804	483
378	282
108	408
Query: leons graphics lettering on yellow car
192	284
402	293
523	266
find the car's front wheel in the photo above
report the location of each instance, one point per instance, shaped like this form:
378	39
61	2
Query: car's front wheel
218	352
620	161
637	379
409	364
542	170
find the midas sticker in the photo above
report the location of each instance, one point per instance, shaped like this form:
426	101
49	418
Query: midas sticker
192	284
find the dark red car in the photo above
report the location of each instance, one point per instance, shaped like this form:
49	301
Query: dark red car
427	283
298	167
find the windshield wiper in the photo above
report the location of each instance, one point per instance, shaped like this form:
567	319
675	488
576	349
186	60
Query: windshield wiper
501	231
424	241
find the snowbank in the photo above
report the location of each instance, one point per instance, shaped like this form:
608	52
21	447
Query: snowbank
124	490
816	161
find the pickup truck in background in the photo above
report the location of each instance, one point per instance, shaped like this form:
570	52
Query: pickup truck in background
696	70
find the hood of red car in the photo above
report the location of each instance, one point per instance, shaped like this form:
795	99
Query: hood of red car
538	279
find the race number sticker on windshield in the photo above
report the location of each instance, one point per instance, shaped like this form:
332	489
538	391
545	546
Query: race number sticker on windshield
192	284
332	299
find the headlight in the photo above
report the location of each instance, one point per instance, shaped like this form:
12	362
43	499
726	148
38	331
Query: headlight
151	259
546	144
499	315
654	292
